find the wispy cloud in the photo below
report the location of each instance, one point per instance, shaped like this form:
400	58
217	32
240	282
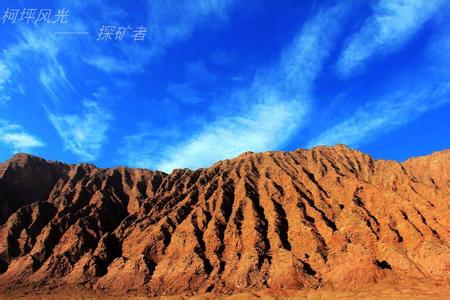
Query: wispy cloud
263	127
5	75
14	136
113	65
7	68
43	54
392	24
85	133
138	148
197	76
175	20
257	129
4	99
168	22
412	95
50	58
275	104
54	80
378	117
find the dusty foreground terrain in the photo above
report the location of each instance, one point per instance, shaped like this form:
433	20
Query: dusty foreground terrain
375	292
320	223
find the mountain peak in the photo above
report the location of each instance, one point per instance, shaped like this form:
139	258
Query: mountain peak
23	158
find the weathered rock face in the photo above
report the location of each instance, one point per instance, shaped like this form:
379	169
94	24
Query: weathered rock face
26	179
326	217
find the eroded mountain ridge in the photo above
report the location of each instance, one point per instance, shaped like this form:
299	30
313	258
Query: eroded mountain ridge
326	217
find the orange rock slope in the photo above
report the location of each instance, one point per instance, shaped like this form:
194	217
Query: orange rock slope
330	218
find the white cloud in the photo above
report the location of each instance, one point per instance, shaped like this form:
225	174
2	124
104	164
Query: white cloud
175	20
113	65
54	80
275	104
266	125
378	117
5	74
43	55
259	128
196	76
14	136
138	148
4	99
84	133
5	78
392	24
412	95
169	22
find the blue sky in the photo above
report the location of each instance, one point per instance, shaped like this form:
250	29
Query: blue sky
212	79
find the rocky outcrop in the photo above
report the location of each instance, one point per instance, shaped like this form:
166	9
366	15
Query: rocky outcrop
25	179
326	217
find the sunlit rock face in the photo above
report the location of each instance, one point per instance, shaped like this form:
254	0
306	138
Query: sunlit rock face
330	217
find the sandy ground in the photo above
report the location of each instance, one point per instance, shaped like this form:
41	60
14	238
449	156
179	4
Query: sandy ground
376	292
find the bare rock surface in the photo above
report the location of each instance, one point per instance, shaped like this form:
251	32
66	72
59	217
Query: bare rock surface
329	218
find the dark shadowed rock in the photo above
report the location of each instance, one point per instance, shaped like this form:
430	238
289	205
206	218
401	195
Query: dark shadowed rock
25	179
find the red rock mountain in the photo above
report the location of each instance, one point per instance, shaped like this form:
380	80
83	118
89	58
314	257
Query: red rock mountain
330	217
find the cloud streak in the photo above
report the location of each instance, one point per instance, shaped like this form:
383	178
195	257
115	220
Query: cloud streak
427	89
15	137
83	134
376	118
260	129
275	104
392	24
169	22
43	53
175	20
5	75
80	133
197	76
